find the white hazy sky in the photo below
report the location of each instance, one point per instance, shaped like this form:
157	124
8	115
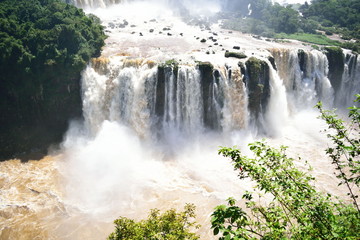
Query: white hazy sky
291	1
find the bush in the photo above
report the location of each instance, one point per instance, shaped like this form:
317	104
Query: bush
298	210
167	226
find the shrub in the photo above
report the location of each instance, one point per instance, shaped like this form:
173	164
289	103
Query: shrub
298	210
170	225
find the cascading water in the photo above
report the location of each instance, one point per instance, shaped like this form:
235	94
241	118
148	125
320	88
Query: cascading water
157	105
150	98
350	81
305	77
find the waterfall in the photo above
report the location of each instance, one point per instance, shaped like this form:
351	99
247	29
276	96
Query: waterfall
277	113
119	91
94	3
305	76
350	81
152	99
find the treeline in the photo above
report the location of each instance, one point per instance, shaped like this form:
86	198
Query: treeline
264	18
335	15
38	33
44	45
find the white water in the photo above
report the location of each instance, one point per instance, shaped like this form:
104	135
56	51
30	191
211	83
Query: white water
129	156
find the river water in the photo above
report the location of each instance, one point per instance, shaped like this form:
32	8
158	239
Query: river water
126	158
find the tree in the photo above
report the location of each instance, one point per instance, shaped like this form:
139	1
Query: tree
170	225
44	46
298	210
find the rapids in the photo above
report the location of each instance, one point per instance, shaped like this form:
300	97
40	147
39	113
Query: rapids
150	133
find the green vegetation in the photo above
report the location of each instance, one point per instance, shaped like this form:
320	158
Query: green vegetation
308	37
239	55
37	34
44	45
172	63
269	20
297	210
335	13
170	225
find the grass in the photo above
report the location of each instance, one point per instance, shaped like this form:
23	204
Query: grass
310	38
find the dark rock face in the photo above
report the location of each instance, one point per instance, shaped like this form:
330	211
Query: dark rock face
272	61
212	99
36	110
160	92
258	85
336	61
302	60
164	72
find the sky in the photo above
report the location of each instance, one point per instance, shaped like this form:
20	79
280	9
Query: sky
292	1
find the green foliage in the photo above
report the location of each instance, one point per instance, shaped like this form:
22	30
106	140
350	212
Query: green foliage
170	225
36	34
310	38
346	150
297	210
266	19
341	13
239	55
44	45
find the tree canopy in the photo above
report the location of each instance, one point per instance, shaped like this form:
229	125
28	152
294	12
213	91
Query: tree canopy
44	45
265	18
38	33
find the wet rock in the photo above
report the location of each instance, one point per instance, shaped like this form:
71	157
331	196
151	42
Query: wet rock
140	34
242	68
258	85
272	61
239	55
236	47
181	34
203	40
216	44
111	25
169	34
336	59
